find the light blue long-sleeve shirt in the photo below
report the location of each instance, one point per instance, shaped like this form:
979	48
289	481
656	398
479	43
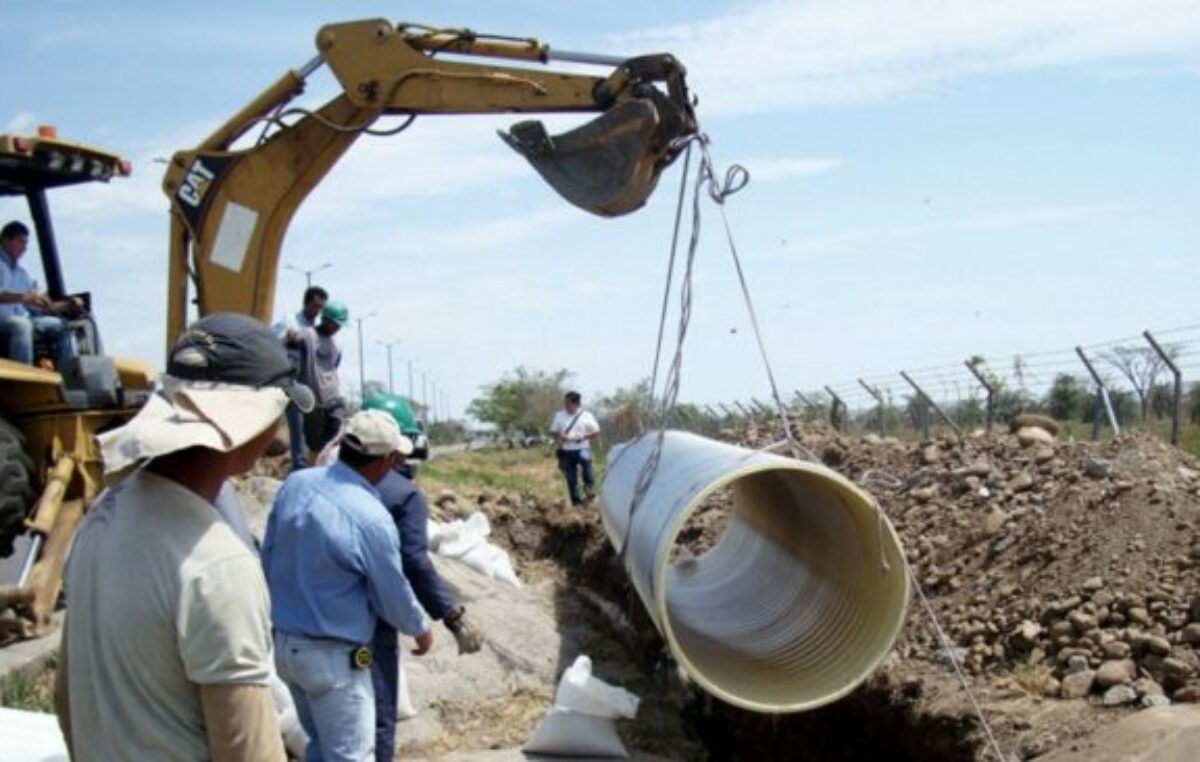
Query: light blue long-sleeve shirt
332	559
14	280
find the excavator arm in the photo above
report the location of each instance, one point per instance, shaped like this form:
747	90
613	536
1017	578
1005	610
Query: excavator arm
230	208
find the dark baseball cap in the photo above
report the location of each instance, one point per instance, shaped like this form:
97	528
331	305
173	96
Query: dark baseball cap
235	349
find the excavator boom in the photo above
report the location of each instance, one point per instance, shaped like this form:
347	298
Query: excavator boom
230	208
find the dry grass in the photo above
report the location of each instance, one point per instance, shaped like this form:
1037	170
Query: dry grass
531	472
31	693
499	724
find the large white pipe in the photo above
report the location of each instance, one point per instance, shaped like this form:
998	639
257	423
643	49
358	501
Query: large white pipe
793	606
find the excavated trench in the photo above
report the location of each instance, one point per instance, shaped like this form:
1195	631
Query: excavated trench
880	720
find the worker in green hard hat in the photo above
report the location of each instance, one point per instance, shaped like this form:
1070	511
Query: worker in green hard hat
320	372
410	512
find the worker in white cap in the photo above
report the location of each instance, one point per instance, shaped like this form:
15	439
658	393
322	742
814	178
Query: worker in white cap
332	562
167	651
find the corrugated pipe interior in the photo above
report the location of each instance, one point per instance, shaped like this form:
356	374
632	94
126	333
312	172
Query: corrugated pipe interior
792	607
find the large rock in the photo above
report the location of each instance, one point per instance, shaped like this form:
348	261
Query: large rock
1032	435
1034	421
1115	672
1165	734
1078	684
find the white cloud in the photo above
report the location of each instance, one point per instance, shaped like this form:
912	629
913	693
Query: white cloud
785	168
783	54
22	122
1043	215
57	38
844	240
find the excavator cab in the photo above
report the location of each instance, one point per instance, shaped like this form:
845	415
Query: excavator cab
49	462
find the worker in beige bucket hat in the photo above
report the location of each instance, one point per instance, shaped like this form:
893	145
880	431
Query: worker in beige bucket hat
167	649
225	384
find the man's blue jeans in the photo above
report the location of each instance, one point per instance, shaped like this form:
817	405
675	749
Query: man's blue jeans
572	463
295	424
334	700
17	332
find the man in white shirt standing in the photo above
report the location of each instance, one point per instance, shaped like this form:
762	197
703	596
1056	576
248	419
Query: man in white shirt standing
289	332
574	428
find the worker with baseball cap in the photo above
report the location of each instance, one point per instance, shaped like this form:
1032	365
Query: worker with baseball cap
332	562
167	650
409	512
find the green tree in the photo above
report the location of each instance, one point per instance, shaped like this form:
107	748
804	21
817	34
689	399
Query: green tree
522	402
1068	399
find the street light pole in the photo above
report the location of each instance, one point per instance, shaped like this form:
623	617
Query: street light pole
362	364
425	392
308	273
391	376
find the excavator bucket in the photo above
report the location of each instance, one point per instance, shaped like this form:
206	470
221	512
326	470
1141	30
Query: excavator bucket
608	166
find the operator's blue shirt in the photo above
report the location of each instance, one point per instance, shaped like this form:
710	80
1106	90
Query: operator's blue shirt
332	559
14	280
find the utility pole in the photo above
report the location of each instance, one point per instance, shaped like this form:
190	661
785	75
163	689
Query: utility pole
410	383
362	364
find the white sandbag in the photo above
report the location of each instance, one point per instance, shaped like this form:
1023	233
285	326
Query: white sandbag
579	691
404	705
458	537
582	722
571	734
466	542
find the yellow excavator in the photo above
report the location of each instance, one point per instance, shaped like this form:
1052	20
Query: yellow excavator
234	195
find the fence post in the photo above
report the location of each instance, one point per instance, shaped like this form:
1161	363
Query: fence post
1101	398
838	422
929	401
991	394
762	407
745	413
882	406
1177	397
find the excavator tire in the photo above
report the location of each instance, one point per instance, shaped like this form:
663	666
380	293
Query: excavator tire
16	485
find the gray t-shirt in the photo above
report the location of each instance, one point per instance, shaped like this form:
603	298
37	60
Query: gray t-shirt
162	597
321	360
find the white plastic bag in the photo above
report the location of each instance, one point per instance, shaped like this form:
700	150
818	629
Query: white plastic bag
582	722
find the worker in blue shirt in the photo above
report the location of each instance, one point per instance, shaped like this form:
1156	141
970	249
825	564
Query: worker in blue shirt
410	513
332	561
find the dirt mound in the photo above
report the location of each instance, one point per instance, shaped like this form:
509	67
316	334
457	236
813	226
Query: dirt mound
1058	569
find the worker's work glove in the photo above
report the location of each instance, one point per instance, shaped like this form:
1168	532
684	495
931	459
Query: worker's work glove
469	639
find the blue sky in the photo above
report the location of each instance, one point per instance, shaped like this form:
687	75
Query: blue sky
930	180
